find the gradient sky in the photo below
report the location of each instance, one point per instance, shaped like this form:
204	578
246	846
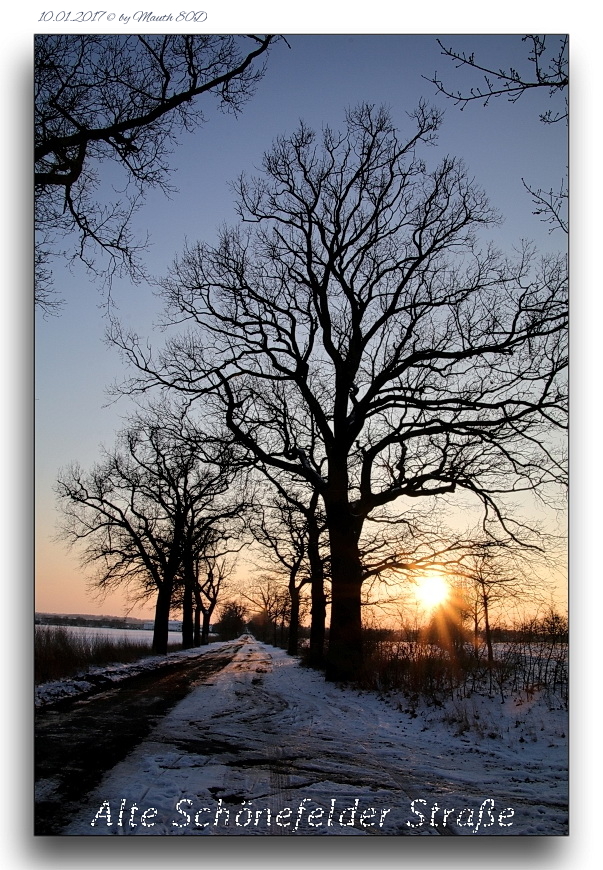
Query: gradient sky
316	79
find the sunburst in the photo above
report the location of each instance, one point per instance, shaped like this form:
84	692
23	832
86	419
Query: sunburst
431	591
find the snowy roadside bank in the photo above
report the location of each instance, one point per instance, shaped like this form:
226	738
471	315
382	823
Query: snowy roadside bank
101	677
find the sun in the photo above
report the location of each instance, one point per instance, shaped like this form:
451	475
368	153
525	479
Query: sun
431	591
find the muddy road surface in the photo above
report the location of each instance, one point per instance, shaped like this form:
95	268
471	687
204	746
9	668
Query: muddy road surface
77	740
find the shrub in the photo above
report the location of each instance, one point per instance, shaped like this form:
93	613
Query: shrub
414	667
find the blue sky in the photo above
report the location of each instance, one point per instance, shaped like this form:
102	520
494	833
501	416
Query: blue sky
316	79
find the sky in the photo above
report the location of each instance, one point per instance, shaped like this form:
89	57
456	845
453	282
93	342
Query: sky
315	78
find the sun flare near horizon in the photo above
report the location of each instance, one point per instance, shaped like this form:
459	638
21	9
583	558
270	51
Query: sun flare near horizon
431	591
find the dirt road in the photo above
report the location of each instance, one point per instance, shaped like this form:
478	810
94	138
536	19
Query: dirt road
244	741
256	741
77	741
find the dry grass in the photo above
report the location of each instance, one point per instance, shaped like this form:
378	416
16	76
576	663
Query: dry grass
61	653
422	669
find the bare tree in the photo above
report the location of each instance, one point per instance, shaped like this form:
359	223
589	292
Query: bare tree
358	337
216	575
133	511
270	598
203	580
282	530
549	71
291	526
233	620
123	99
496	575
215	529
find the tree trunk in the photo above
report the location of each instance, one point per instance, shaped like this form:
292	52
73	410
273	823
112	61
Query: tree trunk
198	638
488	633
187	616
205	629
198	634
318	622
294	624
319	599
162	617
475	631
344	658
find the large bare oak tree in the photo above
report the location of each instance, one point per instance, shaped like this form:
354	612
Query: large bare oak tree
353	332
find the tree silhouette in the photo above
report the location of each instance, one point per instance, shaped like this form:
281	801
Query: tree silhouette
233	620
202	581
291	526
354	334
103	98
272	604
215	529
132	513
206	591
498	574
549	71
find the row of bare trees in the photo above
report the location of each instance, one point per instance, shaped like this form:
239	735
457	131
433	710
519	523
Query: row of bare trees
357	335
358	340
157	515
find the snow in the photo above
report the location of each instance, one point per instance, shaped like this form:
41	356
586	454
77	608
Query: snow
134	635
267	747
105	675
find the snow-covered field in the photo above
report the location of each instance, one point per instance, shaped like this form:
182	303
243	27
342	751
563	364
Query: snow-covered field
135	635
268	748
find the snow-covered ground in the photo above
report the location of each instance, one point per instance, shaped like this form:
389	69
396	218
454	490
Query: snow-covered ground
97	675
135	635
266	747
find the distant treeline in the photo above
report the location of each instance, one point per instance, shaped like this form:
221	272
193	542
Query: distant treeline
90	621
